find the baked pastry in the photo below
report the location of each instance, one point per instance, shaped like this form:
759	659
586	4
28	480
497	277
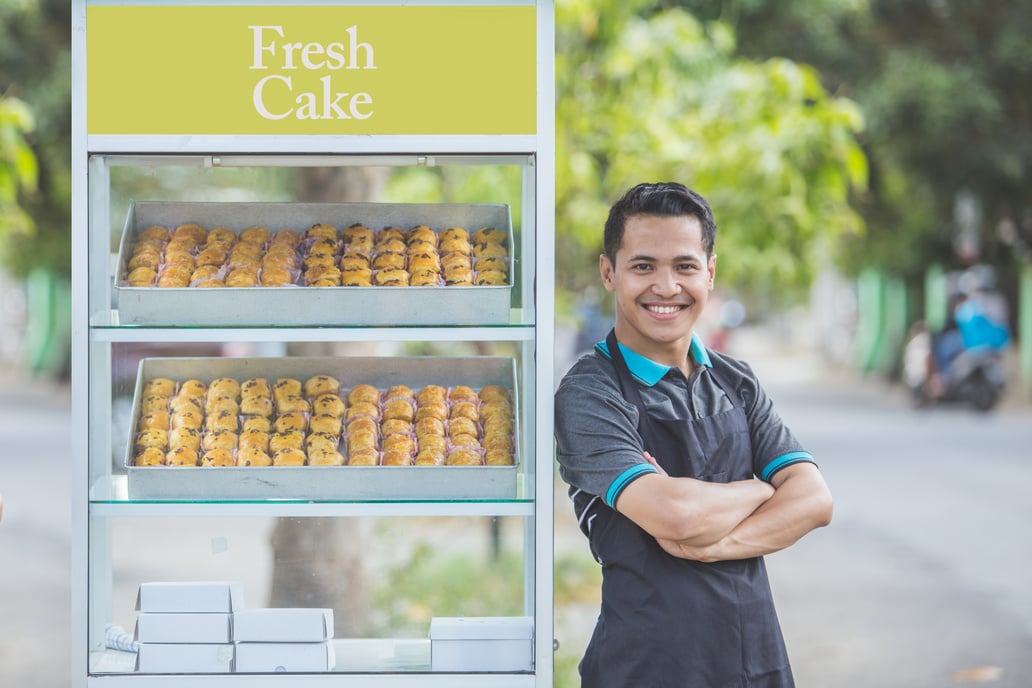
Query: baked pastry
358	235
458	277
321	384
434	442
153	233
255	387
256	405
357	278
463	393
486	249
395	426
294	420
425	278
456	261
273	276
184	437
187	418
454	233
455	245
141	277
363	424
289	456
325	457
496	457
493	264
394	457
499	442
253	456
390	233
293	404
328	405
363	457
364	393
464	409
289	237
355	260
461	426
218	457
489	235
399	392
192	230
287	439
327	424
430	457
175	276
402	409
219	439
151	438
211	255
194	390
322	231
464	457
424	260
181	456
181	403
323	276
432	393
222	405
363	408
255	235
211	283
429	426
144	257
254	439
465	440
489	393
389	261
358	441
391	278
242	277
149	456
286	387
261	423
154	420
223	421
490	278
321	440
432	409
421	233
405	443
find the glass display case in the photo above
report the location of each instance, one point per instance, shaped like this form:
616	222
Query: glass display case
340	471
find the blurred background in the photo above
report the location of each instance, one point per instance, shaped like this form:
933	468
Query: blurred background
870	165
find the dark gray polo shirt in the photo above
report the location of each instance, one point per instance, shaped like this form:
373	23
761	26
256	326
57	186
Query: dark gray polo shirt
596	430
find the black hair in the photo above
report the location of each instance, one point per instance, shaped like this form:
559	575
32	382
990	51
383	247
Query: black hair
662	199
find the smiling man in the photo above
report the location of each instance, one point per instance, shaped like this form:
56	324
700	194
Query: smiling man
681	473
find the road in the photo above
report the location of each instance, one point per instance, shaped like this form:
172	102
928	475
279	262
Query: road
922	579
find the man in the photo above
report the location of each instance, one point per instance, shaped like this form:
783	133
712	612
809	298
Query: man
681	473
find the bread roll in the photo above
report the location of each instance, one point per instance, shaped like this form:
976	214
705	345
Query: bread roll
325	457
321	384
289	456
363	457
149	456
218	457
464	457
253	456
182	456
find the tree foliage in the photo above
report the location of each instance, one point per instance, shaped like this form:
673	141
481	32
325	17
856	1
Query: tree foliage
18	170
646	92
35	69
946	89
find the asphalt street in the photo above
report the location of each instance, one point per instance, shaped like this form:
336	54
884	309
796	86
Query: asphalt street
921	580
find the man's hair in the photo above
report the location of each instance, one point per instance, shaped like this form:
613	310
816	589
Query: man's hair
662	199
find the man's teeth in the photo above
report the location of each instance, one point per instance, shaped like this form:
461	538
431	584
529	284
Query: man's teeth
664	309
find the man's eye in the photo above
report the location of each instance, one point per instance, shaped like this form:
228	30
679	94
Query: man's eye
688	267
641	267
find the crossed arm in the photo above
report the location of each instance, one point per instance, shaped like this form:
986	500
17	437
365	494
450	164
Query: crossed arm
709	522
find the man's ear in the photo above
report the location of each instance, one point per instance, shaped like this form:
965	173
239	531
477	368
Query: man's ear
605	268
712	269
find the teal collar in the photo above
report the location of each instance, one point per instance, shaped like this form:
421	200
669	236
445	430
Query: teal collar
649	372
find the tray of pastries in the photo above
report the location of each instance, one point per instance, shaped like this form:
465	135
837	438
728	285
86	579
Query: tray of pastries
381	264
324	428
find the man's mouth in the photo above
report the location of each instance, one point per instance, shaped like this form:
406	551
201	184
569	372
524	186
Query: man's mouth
664	310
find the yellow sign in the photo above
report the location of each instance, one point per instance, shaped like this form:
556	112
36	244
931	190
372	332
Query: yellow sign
199	70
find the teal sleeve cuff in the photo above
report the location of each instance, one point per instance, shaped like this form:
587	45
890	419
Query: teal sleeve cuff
785	460
625	479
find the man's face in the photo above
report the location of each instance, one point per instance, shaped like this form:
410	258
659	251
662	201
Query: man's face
661	281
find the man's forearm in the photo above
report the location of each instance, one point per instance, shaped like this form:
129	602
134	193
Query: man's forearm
801	503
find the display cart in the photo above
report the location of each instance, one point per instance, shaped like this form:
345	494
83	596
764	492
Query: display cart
190	95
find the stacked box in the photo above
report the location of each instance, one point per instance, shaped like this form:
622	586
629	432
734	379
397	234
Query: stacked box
186	627
484	643
283	640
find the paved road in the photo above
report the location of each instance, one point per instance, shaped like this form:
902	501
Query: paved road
922	579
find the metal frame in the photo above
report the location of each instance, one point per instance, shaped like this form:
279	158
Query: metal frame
92	339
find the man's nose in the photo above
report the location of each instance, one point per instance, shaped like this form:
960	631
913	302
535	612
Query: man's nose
666	283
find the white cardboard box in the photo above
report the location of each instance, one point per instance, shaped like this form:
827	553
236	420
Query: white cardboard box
193	596
153	627
284	657
160	658
484	643
283	625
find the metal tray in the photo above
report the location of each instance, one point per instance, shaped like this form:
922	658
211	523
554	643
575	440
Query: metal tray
329	482
374	306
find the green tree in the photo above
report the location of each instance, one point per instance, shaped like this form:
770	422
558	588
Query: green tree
946	89
35	69
18	171
647	92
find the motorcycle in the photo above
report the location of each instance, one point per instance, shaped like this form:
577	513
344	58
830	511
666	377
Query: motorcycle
976	376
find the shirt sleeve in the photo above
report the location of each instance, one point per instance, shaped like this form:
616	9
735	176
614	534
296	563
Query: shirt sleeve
774	445
598	446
